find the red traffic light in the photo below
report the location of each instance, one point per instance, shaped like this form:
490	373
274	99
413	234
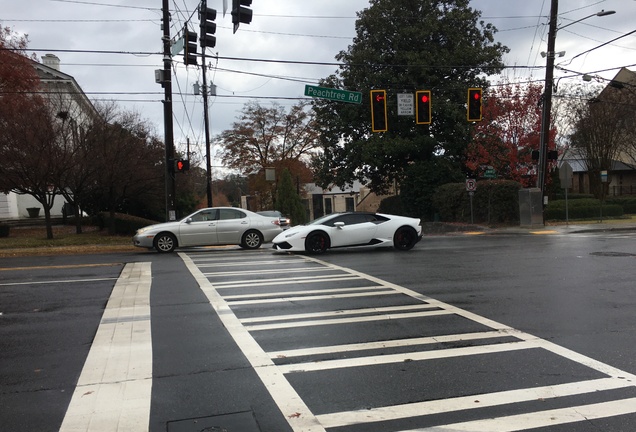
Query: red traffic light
181	165
474	108
379	121
423	107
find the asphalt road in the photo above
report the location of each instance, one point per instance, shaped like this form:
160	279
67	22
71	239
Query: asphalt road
480	333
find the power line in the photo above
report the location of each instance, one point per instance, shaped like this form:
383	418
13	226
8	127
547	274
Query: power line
108	4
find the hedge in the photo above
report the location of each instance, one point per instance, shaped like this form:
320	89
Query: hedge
587	208
628	204
124	224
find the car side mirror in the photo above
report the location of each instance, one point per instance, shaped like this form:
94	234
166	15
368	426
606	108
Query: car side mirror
339	224
188	220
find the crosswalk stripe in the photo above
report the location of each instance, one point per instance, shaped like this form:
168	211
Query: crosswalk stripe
267	271
347	320
541	419
298	415
340	313
284	281
396	412
406	357
367	293
393	343
115	385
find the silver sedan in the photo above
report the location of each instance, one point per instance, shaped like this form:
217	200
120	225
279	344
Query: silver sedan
208	227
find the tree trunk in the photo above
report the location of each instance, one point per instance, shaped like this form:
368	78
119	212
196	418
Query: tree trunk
78	219
49	223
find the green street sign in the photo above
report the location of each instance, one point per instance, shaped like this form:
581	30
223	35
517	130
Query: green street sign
490	173
333	94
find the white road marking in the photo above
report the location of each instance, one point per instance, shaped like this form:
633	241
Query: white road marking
114	388
396	412
284	281
267	271
57	281
393	343
349	320
379	291
339	313
243	264
540	419
302	420
298	415
405	357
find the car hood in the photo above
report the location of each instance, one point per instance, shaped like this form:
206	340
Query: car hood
159	227
291	232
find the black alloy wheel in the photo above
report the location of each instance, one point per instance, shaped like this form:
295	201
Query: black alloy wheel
317	242
405	238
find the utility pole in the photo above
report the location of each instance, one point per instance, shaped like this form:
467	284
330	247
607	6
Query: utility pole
206	120
547	99
167	113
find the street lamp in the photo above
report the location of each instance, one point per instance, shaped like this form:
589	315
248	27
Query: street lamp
547	95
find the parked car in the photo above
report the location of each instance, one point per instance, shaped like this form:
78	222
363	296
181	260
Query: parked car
283	220
351	230
210	226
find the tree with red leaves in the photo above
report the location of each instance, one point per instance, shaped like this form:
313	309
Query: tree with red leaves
30	158
508	133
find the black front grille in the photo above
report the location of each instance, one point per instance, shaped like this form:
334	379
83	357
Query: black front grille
283	246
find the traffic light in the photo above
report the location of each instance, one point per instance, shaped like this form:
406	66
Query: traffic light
208	26
473	113
423	107
378	111
241	14
190	48
181	165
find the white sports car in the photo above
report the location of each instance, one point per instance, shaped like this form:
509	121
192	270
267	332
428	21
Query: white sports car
353	229
210	226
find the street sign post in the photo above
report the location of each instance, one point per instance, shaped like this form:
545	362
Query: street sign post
565	177
471	187
333	94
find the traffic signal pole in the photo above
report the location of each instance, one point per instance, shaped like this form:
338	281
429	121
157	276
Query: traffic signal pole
206	120
167	113
207	39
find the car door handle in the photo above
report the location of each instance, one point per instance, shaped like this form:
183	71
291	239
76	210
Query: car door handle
244	223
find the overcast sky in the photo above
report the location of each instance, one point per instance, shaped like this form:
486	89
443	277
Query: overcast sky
296	30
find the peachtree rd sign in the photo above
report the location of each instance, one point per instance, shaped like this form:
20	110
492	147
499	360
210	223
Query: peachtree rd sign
333	94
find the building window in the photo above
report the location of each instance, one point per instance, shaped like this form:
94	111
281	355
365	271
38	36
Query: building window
350	204
328	206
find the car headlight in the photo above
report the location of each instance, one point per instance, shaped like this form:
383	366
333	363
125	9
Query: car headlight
142	230
291	234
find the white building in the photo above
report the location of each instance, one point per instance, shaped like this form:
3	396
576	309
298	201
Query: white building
70	104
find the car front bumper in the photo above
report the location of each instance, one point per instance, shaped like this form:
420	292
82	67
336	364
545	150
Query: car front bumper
143	240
